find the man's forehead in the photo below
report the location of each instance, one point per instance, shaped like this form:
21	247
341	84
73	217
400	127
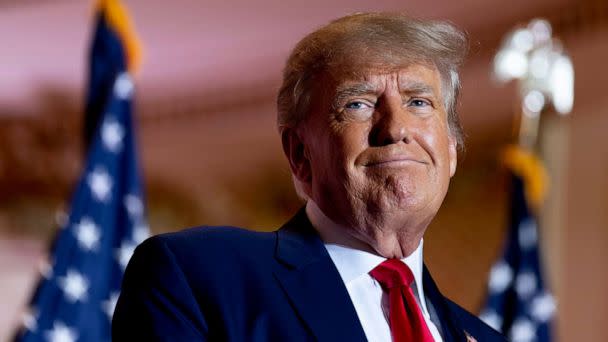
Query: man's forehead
415	77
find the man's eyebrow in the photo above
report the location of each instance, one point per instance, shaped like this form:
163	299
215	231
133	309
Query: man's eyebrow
417	88
354	89
346	91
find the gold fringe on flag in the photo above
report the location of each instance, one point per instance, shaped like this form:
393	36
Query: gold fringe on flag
527	166
119	20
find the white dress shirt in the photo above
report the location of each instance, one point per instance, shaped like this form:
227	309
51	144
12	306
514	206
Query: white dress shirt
354	262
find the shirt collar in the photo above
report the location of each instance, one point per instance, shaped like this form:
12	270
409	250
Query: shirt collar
354	258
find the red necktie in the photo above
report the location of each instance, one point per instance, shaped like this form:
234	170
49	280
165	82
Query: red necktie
406	320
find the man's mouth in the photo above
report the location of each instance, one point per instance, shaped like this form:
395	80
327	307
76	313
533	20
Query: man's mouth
395	161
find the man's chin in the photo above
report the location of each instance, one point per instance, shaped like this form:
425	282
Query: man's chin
397	201
400	213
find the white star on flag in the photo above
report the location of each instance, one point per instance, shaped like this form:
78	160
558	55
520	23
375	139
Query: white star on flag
543	307
30	321
523	331
109	305
61	333
501	276
140	232
46	269
134	206
525	284
74	286
124	253
87	233
123	86
112	134
491	318
100	184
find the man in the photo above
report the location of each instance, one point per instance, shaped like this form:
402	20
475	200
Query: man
367	119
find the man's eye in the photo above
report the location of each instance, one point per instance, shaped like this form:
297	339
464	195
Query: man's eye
358	110
419	103
356	105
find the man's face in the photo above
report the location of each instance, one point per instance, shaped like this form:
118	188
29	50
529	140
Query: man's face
379	149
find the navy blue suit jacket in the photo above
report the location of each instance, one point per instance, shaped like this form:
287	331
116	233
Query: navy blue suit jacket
230	284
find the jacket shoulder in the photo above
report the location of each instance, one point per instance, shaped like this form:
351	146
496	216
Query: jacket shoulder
210	236
210	239
473	325
182	285
213	248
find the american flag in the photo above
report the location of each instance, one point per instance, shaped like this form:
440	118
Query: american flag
77	293
519	304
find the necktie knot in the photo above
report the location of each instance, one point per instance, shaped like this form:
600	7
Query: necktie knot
393	273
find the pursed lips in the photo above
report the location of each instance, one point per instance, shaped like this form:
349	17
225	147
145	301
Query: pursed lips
392	161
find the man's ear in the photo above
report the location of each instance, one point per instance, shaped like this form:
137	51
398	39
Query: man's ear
452	153
295	151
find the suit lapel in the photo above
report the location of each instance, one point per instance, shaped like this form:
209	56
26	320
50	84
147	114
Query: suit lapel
313	284
450	326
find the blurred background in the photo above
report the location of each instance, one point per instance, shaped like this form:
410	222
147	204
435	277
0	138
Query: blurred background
210	152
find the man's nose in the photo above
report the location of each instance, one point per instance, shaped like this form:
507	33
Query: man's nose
392	125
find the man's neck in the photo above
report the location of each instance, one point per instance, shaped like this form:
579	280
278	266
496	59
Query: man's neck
333	233
338	243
